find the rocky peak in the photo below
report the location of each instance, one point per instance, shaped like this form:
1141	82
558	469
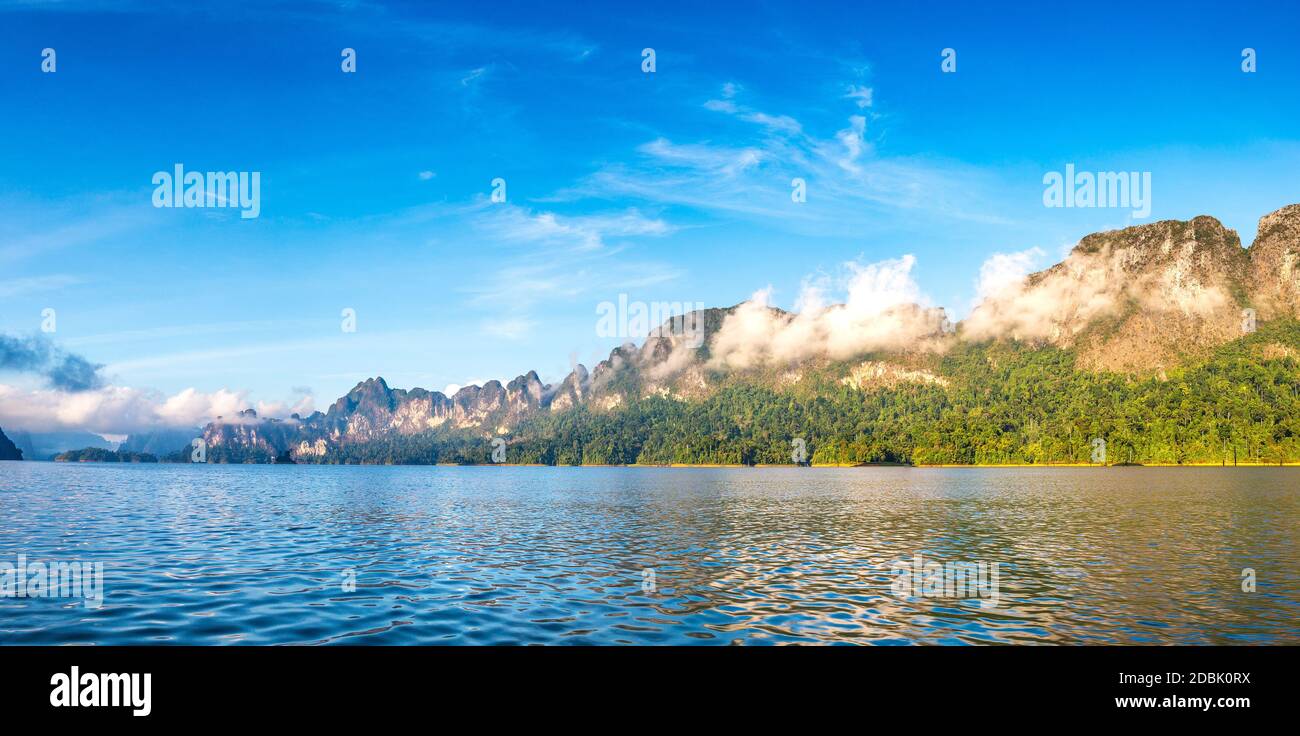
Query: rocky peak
1275	264
526	392
1135	299
1281	223
370	395
1202	246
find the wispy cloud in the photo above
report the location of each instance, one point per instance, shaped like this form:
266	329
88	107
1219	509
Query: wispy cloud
514	224
861	96
473	76
779	123
849	183
80	222
167	332
554	258
509	328
451	35
37	284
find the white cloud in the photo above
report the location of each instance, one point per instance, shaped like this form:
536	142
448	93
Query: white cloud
474	75
776	123
726	106
860	95
850	186
190	407
36	284
509	328
76	223
1002	271
556	257
883	309
854	140
1063	300
580	233
122	409
451	388
713	160
303	405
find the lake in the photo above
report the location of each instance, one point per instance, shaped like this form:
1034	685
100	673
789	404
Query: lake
212	554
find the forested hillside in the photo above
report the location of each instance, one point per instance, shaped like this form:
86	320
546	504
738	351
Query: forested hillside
990	403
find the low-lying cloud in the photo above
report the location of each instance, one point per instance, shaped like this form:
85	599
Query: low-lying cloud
123	410
884	309
1058	303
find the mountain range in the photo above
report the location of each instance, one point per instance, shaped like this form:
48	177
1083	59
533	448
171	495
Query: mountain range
1172	321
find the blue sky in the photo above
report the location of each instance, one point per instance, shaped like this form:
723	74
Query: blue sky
665	186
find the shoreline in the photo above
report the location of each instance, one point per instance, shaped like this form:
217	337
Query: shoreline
710	465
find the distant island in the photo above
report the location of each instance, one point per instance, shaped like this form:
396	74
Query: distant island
100	455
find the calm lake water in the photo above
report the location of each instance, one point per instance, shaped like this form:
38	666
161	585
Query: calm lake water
499	555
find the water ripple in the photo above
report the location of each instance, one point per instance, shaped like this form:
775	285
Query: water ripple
406	555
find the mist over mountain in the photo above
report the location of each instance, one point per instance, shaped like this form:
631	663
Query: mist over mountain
1129	300
159	441
45	445
1123	319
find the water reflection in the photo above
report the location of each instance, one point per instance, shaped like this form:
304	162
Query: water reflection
260	554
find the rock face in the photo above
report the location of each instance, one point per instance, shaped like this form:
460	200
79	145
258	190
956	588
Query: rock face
1180	289
876	374
250	435
1140	299
8	450
372	409
1149	297
1275	264
374	412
